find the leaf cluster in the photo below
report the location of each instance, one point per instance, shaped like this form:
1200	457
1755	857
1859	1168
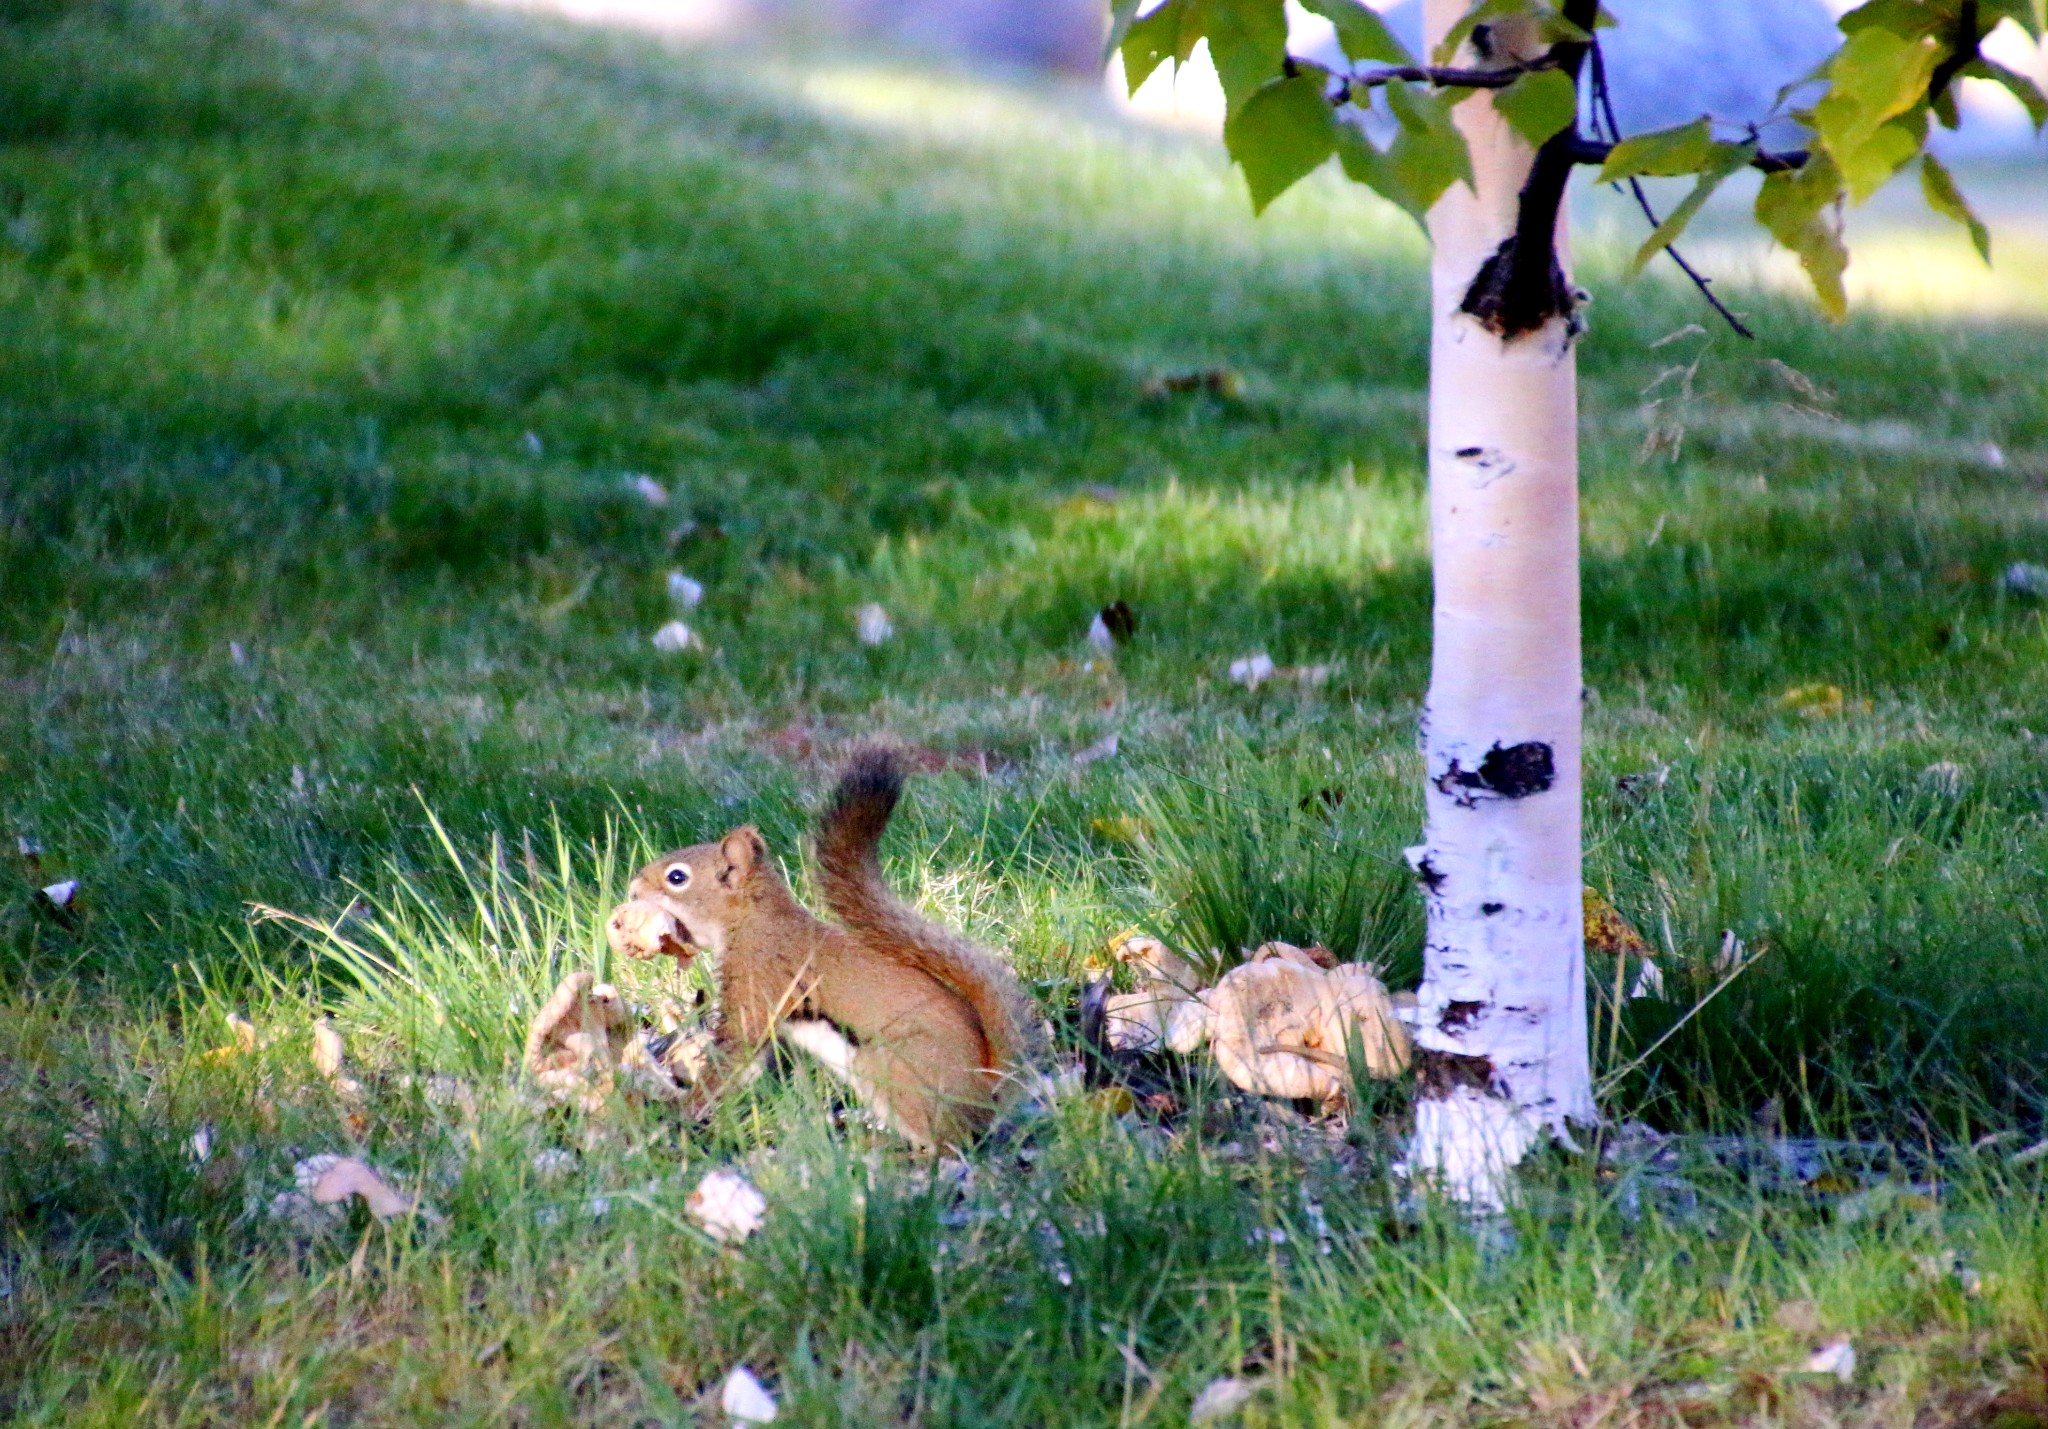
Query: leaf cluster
1866	110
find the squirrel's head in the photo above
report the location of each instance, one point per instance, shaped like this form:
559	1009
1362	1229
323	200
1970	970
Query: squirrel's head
707	888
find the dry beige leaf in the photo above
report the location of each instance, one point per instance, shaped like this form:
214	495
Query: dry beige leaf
643	931
329	1051
1283	1027
329	1180
244	1033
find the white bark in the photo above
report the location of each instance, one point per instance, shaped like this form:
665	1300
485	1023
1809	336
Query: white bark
1504	986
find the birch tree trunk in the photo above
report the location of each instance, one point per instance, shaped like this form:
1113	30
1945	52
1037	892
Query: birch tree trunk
1502	1008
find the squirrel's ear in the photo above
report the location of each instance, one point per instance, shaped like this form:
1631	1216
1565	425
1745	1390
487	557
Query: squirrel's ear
743	849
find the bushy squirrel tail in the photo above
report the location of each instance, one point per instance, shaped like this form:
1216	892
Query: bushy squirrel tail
850	879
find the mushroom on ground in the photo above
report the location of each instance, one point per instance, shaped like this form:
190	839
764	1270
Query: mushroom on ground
1283	1027
575	1042
1167	1007
642	931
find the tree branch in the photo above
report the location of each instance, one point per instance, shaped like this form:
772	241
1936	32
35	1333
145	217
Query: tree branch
1522	287
1961	53
1442	76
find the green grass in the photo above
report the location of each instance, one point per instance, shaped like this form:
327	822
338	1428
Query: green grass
329	335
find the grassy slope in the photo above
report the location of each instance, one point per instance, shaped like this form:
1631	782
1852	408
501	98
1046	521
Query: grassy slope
283	291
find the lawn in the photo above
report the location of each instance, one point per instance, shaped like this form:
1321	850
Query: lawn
343	350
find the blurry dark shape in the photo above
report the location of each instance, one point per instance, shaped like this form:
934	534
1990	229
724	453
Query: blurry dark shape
1120	621
1216	381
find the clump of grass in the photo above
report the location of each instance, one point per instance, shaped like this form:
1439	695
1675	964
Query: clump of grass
1260	849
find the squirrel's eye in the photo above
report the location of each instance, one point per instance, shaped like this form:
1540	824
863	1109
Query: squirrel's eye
679	876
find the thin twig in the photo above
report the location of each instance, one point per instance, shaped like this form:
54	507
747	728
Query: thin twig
1605	105
1444	77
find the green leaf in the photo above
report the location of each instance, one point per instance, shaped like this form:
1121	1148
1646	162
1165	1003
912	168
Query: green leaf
1686	149
1248	42
1908	19
1875	76
1122	15
1429	153
2024	13
1167	33
1947	200
1866	167
1723	161
1280	135
1427	156
1789	205
2023	89
1539	104
1361	33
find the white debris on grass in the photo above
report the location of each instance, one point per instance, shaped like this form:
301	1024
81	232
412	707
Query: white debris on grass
647	488
1220	1397
1099	636
61	894
727	1206
745	1398
686	593
1251	671
871	623
676	637
1837	1357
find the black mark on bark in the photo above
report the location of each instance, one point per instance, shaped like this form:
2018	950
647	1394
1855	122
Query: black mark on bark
1438	1074
1507	772
1429	875
1459	1014
1489	909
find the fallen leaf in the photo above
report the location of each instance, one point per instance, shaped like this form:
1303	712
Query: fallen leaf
1251	670
1817	701
244	1033
745	1398
329	1051
676	637
1837	1357
727	1206
686	593
328	1180
1220	1397
871	623
1121	828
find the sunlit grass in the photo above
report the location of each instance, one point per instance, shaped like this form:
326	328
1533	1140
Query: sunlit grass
332	333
